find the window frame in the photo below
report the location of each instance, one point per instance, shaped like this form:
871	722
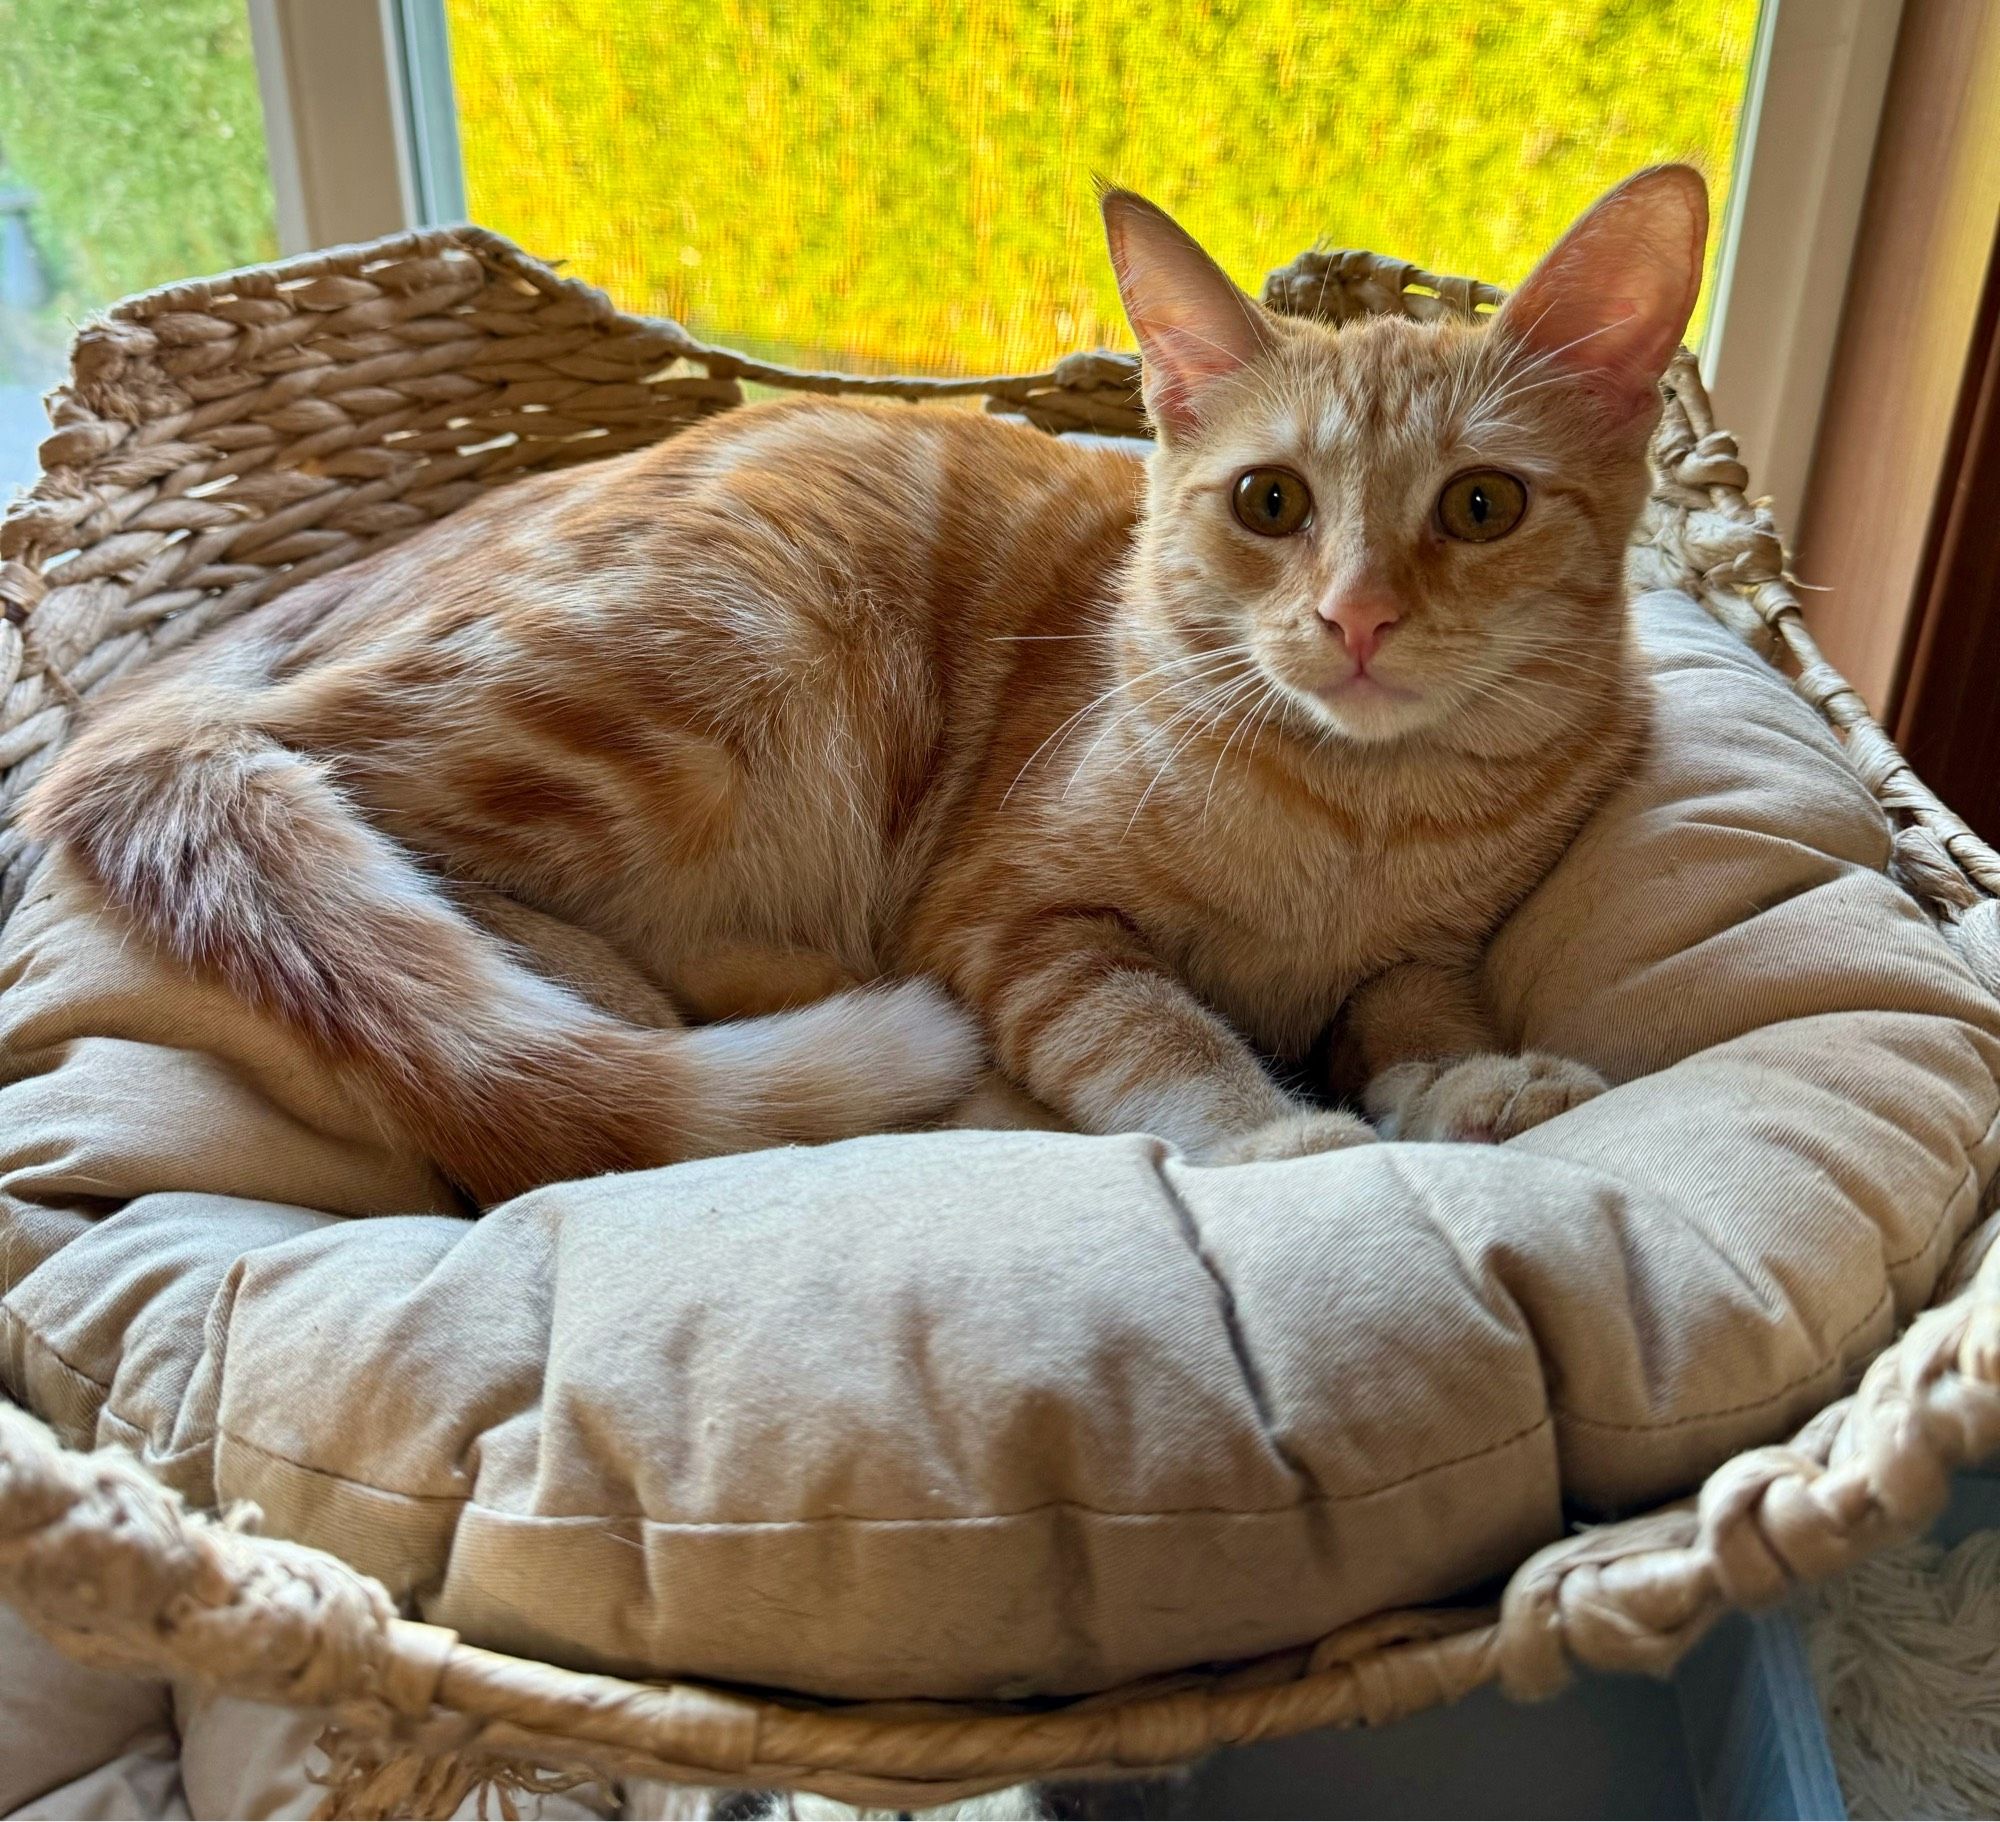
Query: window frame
363	132
1805	143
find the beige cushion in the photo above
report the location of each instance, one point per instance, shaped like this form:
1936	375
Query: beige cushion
982	1413
80	1743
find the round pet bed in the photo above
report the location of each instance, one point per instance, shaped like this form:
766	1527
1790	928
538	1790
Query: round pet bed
931	1462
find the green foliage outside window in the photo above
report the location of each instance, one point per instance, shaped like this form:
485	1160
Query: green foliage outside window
897	182
136	126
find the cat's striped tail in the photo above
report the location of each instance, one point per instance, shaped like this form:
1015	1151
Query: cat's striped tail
245	862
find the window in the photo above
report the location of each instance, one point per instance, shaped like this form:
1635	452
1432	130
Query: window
131	154
889	183
884	183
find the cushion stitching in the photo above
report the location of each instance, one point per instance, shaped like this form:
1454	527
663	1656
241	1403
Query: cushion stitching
1783	1392
139	1440
100	1386
1315	1497
1970	1182
1253	1378
134	1435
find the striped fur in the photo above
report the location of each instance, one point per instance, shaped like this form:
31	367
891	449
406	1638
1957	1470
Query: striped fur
821	694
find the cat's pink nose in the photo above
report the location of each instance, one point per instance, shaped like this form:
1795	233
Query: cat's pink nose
1362	619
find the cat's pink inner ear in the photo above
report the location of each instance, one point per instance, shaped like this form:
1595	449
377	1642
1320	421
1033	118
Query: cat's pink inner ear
1194	325
1612	301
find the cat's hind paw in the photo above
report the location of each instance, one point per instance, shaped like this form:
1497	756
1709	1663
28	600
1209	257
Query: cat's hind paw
1295	1135
1479	1100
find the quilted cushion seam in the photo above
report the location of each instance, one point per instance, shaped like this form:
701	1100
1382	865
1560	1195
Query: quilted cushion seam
1313	1497
95	1392
1252	1375
1832	1362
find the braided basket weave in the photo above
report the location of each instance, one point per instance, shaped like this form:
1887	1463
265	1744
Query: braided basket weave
222	440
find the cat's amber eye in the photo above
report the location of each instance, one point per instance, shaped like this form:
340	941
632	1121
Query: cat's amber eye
1273	502
1477	508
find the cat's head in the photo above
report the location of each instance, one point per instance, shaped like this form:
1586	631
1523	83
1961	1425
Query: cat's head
1406	526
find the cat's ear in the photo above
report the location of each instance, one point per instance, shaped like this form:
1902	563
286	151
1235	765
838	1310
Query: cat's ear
1194	326
1611	303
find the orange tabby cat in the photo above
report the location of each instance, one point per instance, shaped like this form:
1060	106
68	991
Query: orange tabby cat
1138	771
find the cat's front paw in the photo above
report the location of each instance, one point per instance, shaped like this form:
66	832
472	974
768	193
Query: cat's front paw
1478	1100
1295	1135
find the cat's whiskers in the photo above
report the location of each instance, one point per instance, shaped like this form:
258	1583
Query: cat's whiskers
1275	704
1548	356
1505	688
1214	664
1072	723
1230	694
1511	657
1468	371
1533	648
1520	672
1217	689
1273	699
1101	623
1505	378
1498	692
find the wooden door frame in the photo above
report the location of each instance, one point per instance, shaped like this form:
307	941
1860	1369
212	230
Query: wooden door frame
1948	709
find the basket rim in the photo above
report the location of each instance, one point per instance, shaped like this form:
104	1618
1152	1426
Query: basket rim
1322	266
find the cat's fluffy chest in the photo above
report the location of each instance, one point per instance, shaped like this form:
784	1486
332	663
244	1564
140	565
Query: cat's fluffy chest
1274	925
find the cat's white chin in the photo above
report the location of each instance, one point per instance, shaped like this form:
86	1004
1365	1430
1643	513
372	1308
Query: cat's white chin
1366	708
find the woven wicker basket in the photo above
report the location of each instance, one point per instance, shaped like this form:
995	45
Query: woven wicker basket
219	442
